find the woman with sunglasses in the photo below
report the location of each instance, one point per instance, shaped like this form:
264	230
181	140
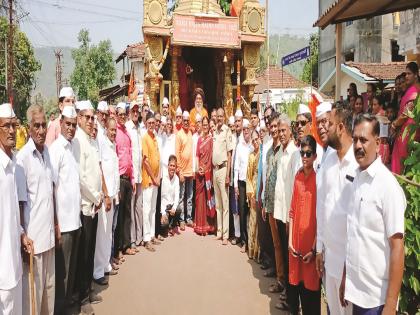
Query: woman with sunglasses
303	277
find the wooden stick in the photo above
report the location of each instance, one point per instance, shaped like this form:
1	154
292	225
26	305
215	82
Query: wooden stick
32	282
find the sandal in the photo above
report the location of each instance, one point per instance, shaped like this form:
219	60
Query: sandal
149	247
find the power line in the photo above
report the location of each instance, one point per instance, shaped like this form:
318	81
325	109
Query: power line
104	7
81	22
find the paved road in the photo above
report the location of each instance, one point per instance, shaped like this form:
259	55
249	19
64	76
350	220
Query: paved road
188	275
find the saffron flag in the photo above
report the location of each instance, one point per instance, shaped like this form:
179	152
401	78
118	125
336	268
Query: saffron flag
131	84
312	104
236	7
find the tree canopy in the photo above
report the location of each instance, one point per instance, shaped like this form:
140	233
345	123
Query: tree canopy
94	67
312	62
25	68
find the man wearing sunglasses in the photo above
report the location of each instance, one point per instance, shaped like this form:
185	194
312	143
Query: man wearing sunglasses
67	200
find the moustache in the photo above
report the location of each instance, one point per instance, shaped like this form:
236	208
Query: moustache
359	153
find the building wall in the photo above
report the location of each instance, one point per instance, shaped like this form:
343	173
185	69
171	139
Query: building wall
409	34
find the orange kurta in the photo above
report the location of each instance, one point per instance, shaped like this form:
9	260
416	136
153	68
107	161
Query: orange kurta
303	214
183	152
151	153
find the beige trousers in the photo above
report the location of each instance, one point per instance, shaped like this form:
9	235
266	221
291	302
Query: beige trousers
222	202
44	278
11	300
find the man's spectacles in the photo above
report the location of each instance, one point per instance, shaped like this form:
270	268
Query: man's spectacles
9	126
39	125
89	117
301	123
323	122
307	154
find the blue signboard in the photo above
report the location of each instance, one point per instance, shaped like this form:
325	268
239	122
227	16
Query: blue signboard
296	56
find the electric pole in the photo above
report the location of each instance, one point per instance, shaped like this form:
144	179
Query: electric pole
10	55
58	70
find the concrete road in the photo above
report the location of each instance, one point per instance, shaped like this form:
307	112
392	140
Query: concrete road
188	275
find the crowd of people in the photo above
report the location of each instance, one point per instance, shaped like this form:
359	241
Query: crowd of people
83	191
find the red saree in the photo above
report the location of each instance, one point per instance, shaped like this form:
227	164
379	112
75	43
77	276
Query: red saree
204	216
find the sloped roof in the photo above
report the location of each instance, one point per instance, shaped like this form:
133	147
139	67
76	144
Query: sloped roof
132	51
279	79
379	71
349	10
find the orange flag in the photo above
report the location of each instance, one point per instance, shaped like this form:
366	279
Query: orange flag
236	7
131	85
312	104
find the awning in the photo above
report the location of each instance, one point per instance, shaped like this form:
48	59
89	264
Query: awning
350	10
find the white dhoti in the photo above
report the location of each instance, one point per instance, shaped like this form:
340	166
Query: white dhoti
44	278
332	287
237	225
149	211
103	245
11	300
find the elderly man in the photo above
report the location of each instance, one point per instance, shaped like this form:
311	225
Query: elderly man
67	201
151	175
34	177
242	152
127	184
102	115
133	128
165	107
12	235
92	196
234	220
323	112
168	144
178	119
286	168
184	156
109	166
375	225
66	98
336	182
221	174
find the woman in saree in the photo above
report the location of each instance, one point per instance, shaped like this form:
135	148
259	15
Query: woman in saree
205	211
398	126
251	189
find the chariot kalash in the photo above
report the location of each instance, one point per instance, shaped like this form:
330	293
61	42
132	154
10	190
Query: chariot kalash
195	45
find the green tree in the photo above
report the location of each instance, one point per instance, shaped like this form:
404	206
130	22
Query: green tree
94	67
25	68
311	63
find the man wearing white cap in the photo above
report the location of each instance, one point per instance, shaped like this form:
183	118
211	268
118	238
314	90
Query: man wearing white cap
34	177
178	119
235	225
133	128
231	124
12	236
304	126
66	98
165	107
102	114
184	156
323	112
67	203
243	150
92	197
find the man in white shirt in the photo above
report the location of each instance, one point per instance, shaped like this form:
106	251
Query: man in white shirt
11	233
168	144
340	168
67	202
109	166
286	168
243	149
374	264
170	197
234	219
133	129
34	177
102	114
92	198
323	112
165	107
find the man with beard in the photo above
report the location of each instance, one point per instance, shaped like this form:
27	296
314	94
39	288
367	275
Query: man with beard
67	201
12	236
92	196
332	205
375	228
34	177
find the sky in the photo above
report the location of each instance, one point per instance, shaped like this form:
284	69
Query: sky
57	22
